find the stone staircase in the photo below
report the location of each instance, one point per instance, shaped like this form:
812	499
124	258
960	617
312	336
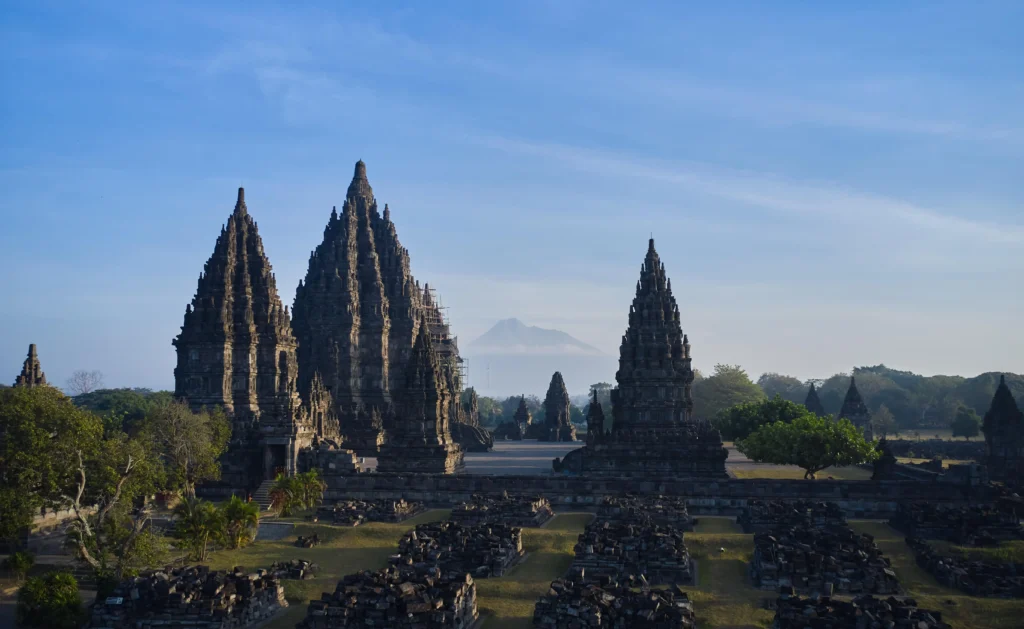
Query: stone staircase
262	495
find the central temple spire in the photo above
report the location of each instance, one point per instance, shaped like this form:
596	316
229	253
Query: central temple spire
360	186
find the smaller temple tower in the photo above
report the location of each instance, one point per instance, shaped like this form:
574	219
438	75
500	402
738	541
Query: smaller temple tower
813	403
595	422
558	426
855	410
523	417
421	439
31	372
1003	426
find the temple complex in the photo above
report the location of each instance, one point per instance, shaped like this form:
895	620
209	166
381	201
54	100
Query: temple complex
236	351
31	372
855	410
813	403
557	425
1003	426
653	432
357	314
420	438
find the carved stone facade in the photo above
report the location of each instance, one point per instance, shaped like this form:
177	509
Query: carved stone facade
855	410
466	430
357	314
653	431
31	372
236	350
1003	426
813	403
557	423
420	439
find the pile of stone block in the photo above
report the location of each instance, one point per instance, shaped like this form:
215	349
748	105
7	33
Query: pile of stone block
310	541
971	526
575	605
356	512
619	552
761	516
521	511
821	560
973	577
865	612
294	569
483	550
424	598
661	510
194	597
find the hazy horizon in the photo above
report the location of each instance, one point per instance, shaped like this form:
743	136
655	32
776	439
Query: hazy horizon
827	186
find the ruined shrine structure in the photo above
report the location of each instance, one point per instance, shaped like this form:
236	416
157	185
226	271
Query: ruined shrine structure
557	424
236	351
356	512
792	612
31	372
654	433
521	511
519	427
466	430
661	510
420	438
571	604
855	410
357	314
483	550
1003	426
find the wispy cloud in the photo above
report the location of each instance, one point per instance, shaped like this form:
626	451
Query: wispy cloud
826	201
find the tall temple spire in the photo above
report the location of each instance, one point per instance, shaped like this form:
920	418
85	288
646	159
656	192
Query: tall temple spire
31	371
240	203
360	185
813	403
557	423
855	410
1003	426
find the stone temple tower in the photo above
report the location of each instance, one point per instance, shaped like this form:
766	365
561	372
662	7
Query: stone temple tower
358	312
32	371
236	351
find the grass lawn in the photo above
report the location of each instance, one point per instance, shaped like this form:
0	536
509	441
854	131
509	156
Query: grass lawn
793	472
966	612
945	462
1004	552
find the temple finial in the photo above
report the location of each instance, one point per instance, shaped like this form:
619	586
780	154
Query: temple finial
240	203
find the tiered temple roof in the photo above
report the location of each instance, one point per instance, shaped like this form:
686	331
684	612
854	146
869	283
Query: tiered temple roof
358	312
813	403
1003	426
855	410
558	426
31	372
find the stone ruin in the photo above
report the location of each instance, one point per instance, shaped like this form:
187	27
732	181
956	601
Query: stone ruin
970	526
855	410
356	512
485	550
973	577
311	541
1003	426
31	371
653	433
519	427
468	432
762	516
425	598
574	605
661	510
557	422
521	511
822	561
294	569
194	597
631	553
864	612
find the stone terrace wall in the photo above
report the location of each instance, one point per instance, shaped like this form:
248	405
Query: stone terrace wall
859	499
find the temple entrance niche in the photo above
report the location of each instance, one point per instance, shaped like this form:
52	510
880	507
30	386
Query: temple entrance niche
275	460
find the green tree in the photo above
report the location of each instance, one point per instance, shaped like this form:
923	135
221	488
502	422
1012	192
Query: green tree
966	424
50	601
241	522
883	422
188	443
294	493
741	420
19	563
198	523
810	442
727	387
41	431
788	387
123	410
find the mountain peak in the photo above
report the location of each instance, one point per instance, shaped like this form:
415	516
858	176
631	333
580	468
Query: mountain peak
512	336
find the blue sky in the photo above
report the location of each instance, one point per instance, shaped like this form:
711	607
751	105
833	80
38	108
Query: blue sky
829	184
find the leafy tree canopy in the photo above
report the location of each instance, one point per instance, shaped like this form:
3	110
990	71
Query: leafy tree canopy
966	424
188	443
741	420
788	387
727	387
50	601
123	410
810	442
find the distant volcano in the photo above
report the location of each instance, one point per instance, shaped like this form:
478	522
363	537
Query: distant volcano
512	336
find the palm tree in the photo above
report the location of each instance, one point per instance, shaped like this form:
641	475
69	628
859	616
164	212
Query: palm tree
311	488
242	521
199	523
284	495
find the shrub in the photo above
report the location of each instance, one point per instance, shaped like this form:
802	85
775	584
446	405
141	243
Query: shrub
50	601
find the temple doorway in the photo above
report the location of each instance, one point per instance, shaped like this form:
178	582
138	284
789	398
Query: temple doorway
275	461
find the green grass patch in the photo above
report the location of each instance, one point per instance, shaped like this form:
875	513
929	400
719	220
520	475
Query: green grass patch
1005	552
960	610
945	462
784	472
